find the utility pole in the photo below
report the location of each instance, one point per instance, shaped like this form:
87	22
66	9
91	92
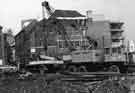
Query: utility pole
2	46
103	48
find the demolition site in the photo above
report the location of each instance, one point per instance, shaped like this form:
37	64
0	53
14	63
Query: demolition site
67	52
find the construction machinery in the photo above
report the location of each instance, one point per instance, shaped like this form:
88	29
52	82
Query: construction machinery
83	59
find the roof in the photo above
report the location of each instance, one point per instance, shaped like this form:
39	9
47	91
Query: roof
116	22
28	27
62	14
66	13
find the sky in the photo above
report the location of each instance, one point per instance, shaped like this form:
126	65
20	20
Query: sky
13	11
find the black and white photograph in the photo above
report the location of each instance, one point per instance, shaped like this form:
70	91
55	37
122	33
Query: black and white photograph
67	46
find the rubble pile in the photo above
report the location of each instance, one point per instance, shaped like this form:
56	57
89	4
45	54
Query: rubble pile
129	83
42	85
110	86
59	86
106	86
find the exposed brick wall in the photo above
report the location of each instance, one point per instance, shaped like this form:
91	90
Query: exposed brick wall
36	37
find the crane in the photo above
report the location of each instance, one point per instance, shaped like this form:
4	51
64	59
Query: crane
60	27
61	30
49	9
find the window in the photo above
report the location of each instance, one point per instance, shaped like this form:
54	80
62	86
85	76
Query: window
119	50
116	40
60	43
83	42
114	50
107	50
73	25
77	43
41	42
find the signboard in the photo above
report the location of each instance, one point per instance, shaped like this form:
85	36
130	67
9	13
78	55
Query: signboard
33	50
67	57
131	46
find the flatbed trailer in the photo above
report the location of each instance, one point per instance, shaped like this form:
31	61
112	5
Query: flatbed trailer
96	66
54	66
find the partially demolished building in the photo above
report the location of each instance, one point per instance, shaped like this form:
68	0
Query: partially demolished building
66	31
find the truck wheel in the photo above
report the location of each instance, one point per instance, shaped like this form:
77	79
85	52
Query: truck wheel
72	69
43	68
82	69
114	68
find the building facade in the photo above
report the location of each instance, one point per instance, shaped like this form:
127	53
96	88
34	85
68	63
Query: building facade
5	49
100	31
54	36
116	30
66	30
110	38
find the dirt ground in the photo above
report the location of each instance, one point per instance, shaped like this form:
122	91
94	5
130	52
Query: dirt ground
52	84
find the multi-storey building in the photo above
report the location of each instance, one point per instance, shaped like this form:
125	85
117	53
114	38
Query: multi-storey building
116	30
116	51
109	35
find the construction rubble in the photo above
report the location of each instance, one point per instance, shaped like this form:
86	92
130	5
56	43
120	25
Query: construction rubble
57	85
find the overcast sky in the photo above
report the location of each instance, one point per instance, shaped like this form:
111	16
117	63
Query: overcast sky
13	11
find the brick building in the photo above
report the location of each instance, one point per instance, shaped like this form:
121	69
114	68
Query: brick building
51	36
5	49
65	28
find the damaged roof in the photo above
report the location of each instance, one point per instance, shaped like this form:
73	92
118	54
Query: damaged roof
66	13
53	19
